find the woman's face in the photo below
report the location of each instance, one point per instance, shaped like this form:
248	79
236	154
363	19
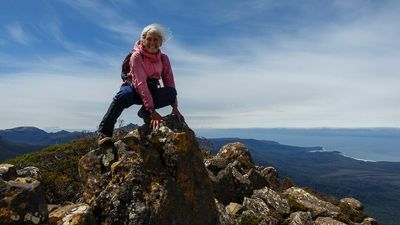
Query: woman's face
152	42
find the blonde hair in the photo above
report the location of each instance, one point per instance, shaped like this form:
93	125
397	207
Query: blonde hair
164	34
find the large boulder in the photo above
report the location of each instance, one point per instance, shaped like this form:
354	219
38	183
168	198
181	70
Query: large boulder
256	205
226	187
353	203
30	171
273	199
158	177
7	171
238	154
233	173
271	176
309	202
22	201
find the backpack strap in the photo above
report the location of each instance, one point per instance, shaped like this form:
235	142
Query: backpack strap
125	67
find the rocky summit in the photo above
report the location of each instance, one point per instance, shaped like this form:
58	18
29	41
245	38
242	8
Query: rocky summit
162	177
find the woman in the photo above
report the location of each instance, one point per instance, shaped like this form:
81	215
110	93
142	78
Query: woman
147	66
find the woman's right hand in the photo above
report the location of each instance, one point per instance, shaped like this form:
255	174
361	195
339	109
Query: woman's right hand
156	120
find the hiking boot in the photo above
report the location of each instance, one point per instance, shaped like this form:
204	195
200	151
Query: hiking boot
103	140
144	114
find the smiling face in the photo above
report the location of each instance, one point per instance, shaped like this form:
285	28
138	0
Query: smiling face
152	42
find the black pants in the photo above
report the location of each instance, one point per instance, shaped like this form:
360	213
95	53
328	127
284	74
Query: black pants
128	96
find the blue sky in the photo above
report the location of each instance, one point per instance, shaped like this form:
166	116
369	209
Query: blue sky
236	63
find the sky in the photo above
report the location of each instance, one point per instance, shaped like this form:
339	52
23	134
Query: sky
237	64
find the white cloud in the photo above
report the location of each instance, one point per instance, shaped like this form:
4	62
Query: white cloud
338	75
343	73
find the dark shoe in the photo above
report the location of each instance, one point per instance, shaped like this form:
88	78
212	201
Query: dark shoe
144	114
103	140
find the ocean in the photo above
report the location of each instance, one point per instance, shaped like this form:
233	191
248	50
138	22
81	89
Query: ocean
369	144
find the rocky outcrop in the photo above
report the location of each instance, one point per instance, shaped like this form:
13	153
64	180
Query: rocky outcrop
162	177
253	194
155	177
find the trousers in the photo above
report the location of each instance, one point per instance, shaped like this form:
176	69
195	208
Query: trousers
128	96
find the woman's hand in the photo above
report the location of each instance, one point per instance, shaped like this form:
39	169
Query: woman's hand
176	113
156	120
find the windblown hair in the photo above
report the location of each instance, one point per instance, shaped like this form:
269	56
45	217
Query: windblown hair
164	34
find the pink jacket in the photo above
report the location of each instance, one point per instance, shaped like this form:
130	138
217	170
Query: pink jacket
146	65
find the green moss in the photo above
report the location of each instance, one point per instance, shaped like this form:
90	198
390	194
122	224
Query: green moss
249	219
295	206
349	214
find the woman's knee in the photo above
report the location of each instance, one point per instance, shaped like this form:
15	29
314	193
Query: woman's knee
124	96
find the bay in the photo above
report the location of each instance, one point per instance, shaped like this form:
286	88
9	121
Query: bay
369	144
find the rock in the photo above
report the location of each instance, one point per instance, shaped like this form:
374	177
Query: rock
353	203
252	217
271	175
299	218
312	203
242	183
257	180
328	221
22	201
348	206
256	205
273	199
248	217
30	171
7	171
158	177
75	214
234	208
216	164
93	175
369	221
239	153
225	188
224	216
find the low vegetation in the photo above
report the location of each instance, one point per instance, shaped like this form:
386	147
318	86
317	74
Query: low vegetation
58	165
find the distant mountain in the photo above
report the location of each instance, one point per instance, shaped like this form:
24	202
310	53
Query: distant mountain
21	140
36	136
376	184
10	149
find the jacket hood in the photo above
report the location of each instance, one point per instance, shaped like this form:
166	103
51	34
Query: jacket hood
152	57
